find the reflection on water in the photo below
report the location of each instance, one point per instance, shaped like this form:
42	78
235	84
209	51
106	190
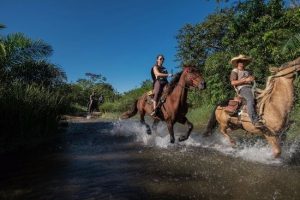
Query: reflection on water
105	160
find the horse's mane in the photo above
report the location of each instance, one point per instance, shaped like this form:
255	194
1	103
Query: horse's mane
173	82
265	95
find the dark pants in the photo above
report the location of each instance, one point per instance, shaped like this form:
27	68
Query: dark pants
246	92
158	88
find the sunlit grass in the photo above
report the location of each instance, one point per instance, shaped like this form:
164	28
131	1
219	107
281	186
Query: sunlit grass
199	116
110	115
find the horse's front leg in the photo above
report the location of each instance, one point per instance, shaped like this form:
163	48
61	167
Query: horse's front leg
190	126
223	129
171	131
274	141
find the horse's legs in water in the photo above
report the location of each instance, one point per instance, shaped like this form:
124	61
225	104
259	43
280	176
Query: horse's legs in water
142	120
275	143
154	125
223	129
190	126
171	131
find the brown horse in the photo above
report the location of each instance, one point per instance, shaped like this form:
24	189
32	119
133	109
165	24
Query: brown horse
274	103
175	105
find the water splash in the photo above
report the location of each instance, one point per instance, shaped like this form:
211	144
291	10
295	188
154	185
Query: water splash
136	129
258	151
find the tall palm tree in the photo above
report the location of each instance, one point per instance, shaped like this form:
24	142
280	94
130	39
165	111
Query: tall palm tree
20	49
38	72
26	61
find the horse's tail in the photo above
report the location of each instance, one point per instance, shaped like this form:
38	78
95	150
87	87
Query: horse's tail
212	122
130	112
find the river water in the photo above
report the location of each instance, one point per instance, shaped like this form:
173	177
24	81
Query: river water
117	160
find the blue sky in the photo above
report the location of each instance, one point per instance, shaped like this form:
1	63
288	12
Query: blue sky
116	38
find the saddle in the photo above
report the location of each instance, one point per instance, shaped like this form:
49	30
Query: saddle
150	96
235	105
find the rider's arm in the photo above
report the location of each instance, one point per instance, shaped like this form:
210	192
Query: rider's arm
235	82
242	81
157	73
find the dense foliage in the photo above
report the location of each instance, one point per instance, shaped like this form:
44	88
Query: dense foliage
32	99
80	91
265	30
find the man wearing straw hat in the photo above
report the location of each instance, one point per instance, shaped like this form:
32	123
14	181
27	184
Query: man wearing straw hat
242	80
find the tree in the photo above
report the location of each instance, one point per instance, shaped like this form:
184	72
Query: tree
256	28
39	72
196	43
20	49
25	60
94	82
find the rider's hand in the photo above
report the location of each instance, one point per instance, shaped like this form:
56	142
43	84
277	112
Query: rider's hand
170	75
249	79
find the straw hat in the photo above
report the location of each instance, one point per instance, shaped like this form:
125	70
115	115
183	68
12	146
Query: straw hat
242	57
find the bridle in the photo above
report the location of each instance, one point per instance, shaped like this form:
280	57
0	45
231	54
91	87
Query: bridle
287	73
191	79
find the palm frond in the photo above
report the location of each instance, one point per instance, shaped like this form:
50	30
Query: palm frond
38	72
21	49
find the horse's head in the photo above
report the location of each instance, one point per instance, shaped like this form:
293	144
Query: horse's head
287	70
194	78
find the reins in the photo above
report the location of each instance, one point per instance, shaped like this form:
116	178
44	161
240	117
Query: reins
192	81
284	74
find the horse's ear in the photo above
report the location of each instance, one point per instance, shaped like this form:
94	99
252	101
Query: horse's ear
190	68
186	69
273	69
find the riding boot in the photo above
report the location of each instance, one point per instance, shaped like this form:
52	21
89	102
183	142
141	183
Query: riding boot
153	114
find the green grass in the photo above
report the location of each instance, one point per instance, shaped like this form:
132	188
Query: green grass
110	115
199	116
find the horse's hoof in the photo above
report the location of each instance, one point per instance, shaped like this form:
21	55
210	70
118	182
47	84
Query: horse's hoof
182	138
149	131
277	154
172	140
